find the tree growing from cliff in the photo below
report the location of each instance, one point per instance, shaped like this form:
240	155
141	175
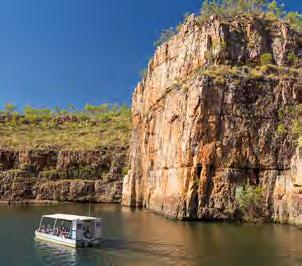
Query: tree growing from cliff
165	35
295	20
231	8
250	202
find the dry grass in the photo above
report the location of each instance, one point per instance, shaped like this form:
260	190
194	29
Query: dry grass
72	135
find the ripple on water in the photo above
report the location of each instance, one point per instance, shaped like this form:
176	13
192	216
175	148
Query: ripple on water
140	238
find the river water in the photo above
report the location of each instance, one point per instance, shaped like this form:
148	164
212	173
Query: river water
141	238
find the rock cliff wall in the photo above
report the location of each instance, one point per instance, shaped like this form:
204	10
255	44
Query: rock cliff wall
42	175
207	119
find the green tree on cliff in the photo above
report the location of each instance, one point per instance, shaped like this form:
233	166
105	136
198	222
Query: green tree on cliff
230	8
274	10
295	20
250	202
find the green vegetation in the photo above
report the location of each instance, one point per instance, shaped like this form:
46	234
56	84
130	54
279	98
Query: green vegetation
297	127
228	9
165	36
293	59
220	73
281	129
65	128
250	202
125	171
231	8
266	59
295	20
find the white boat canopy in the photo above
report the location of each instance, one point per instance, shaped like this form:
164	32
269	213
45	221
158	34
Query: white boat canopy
69	217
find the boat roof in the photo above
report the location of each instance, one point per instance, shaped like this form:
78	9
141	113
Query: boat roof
69	217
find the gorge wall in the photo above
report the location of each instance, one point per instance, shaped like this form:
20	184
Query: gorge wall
43	175
207	119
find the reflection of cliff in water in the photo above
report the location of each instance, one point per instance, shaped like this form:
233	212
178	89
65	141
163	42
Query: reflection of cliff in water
141	238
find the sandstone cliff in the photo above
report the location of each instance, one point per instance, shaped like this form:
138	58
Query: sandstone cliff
206	119
43	175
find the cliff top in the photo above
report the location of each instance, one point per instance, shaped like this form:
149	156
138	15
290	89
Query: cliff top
261	42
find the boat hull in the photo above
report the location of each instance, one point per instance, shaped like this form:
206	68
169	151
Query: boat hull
57	240
65	241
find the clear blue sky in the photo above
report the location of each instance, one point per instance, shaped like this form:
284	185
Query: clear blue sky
60	52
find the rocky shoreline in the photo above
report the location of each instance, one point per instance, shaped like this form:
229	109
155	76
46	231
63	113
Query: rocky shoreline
48	175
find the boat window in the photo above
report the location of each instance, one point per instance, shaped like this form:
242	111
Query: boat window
47	225
56	227
63	229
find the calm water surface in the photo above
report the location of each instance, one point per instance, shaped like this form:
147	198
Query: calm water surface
140	238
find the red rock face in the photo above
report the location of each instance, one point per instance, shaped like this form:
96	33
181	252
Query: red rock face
57	175
198	135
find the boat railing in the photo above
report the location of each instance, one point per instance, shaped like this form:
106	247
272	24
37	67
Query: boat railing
60	232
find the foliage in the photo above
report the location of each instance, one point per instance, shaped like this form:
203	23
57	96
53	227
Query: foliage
219	72
10	108
297	127
274	10
293	59
281	129
231	8
90	127
295	20
266	59
125	171
250	202
165	36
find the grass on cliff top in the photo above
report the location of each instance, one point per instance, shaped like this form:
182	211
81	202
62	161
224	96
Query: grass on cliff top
92	127
268	71
230	9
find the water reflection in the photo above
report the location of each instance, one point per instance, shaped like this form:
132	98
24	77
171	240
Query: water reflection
140	238
53	254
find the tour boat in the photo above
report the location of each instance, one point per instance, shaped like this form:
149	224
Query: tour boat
70	230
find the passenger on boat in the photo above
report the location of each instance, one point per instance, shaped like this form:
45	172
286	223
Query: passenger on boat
87	233
62	232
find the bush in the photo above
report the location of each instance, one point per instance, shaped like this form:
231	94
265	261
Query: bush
89	128
274	10
297	128
250	202
10	108
165	36
281	129
231	8
266	59
293	59
295	20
